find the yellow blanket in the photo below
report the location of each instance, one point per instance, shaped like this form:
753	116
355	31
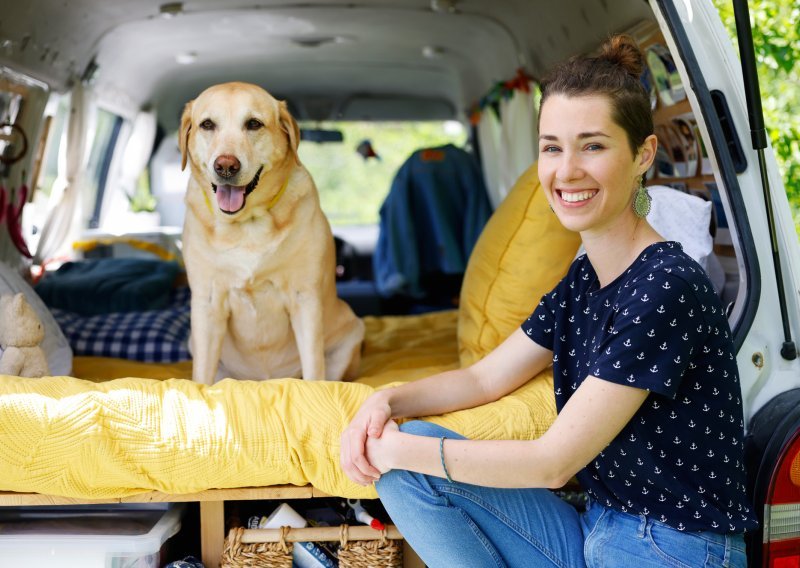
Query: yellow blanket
91	437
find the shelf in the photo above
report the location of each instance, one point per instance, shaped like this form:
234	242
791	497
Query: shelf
664	114
689	181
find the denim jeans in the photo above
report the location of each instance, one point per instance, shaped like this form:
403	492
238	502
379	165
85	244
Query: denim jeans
453	525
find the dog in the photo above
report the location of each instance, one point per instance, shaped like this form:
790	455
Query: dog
258	250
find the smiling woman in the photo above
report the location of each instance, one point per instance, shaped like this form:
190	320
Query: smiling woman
615	384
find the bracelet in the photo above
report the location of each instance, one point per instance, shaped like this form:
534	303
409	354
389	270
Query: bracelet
441	455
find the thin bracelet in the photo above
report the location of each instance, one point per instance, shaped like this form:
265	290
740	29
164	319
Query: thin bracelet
441	455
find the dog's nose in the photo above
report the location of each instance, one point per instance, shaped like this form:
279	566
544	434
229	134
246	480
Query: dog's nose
227	166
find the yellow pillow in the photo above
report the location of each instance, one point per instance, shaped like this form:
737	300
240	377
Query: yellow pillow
521	254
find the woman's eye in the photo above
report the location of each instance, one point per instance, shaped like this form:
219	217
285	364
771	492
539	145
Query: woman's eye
207	124
254	124
550	149
594	147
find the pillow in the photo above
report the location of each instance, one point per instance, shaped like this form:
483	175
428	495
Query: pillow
685	218
521	255
679	216
155	336
55	345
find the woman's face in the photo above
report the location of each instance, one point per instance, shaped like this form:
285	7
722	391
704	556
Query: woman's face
585	164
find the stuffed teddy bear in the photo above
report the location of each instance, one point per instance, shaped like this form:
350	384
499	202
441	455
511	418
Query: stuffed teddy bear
21	333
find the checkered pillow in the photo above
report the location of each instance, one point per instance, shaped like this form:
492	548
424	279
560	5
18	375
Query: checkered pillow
155	336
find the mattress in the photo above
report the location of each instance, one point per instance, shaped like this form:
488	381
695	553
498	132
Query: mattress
118	427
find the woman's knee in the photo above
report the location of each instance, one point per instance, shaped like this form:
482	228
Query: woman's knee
429	429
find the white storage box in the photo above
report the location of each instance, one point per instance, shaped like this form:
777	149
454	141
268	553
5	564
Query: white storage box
85	538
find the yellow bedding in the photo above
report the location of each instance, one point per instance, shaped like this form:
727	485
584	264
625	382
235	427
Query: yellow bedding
85	439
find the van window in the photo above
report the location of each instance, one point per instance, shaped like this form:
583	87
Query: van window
352	185
105	139
55	140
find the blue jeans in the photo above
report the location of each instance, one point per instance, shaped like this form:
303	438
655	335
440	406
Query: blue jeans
453	525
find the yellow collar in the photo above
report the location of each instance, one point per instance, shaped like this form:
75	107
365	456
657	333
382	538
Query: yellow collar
278	195
270	205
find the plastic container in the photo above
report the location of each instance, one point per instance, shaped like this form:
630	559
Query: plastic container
85	538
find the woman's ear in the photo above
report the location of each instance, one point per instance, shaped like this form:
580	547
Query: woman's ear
647	153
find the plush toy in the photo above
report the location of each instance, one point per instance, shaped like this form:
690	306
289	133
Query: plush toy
21	333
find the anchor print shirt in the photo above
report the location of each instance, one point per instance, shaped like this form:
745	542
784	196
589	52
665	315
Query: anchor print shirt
659	326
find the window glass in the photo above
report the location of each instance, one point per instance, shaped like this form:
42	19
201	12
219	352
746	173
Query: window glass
105	138
352	183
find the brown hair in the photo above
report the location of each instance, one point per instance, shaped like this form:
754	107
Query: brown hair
615	73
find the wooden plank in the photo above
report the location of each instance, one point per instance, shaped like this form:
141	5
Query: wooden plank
11	499
692	181
12	87
232	494
212	532
319	534
665	113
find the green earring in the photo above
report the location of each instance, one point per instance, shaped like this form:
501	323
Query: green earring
642	200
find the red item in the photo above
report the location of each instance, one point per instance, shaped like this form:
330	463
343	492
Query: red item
14	216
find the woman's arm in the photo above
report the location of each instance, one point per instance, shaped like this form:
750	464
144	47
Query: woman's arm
510	365
592	418
506	368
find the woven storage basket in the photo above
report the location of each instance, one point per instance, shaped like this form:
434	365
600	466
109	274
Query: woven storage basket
380	553
235	554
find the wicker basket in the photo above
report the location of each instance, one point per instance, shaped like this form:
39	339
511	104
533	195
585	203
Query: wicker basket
378	552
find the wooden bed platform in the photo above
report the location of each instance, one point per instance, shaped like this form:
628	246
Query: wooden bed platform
212	516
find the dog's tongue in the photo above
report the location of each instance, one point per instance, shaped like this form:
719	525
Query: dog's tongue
230	197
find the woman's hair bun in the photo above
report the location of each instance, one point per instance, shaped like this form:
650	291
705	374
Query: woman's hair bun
623	50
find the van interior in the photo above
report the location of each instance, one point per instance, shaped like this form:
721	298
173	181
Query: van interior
91	95
369	83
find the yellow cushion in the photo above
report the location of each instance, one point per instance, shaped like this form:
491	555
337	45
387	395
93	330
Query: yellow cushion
521	254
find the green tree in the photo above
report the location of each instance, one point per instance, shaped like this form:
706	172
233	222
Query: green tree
776	38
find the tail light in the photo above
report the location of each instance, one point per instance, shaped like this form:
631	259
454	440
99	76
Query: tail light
782	510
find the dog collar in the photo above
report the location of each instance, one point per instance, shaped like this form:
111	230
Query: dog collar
278	195
270	205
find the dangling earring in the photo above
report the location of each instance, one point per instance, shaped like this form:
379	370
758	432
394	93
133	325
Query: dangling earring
641	200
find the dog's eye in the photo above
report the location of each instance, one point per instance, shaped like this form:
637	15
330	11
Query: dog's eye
207	124
254	124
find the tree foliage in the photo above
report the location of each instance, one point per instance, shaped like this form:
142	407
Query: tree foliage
776	39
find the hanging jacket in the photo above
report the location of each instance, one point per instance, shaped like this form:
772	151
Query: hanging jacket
430	221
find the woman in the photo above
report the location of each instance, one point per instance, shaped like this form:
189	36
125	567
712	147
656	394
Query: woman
646	384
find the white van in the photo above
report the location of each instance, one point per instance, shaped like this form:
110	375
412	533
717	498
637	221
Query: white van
92	90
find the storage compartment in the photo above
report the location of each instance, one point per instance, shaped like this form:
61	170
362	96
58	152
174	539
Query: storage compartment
358	547
315	535
87	537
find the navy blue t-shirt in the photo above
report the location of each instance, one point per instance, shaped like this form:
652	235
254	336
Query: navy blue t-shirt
661	327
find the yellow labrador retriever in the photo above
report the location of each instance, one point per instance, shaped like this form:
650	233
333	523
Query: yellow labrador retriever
258	250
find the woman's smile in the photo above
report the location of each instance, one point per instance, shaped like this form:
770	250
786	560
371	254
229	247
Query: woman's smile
574	198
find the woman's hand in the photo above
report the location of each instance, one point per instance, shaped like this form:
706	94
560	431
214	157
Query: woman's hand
381	451
368	422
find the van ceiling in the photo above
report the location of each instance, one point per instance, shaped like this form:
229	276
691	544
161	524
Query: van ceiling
325	56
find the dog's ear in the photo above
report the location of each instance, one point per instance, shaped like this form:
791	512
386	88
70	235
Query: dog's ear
183	133
289	126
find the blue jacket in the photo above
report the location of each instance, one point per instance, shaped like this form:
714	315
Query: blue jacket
430	221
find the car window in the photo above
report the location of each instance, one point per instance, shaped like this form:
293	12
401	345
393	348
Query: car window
352	181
